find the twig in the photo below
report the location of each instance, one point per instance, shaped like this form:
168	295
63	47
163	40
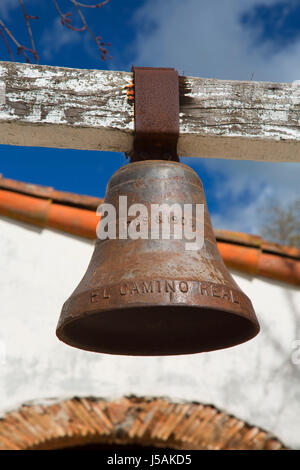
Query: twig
98	5
27	17
58	9
66	20
99	43
21	49
6	44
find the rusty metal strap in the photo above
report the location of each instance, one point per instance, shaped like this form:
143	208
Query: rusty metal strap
156	108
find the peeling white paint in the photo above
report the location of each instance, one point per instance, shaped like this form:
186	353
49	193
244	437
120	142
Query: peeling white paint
258	121
2	93
55	116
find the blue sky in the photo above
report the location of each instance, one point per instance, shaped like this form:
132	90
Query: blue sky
225	39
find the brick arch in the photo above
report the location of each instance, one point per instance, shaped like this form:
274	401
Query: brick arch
154	422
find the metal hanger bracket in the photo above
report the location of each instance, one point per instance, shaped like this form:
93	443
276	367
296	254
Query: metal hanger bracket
156	114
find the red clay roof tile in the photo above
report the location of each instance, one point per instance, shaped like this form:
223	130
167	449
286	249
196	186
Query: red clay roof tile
140	421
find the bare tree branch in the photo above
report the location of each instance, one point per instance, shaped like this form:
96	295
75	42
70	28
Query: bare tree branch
97	39
6	44
21	49
59	10
66	20
27	18
281	222
98	5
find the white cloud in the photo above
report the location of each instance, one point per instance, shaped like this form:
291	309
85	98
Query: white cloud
261	181
7	6
207	39
56	37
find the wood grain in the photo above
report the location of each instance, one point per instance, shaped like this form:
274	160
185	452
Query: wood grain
43	106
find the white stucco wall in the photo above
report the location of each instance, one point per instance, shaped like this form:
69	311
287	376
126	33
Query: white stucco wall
39	269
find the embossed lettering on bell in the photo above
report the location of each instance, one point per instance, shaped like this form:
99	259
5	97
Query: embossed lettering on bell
152	296
165	221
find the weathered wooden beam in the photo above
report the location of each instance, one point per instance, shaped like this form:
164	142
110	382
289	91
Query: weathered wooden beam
44	106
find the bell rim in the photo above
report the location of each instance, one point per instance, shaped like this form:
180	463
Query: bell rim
253	328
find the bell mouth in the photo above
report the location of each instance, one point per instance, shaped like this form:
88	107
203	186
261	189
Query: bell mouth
157	330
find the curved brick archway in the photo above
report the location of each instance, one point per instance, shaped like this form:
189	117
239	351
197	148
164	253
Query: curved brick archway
154	422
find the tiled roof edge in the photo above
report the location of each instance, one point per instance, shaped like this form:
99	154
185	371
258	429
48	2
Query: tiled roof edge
76	214
47	192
